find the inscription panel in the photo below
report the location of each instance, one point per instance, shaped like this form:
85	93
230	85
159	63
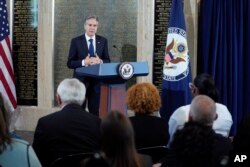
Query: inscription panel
162	14
25	52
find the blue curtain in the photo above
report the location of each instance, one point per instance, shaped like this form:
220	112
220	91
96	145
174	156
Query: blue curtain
223	43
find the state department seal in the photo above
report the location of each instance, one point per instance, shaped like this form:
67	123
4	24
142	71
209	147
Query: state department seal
176	60
126	70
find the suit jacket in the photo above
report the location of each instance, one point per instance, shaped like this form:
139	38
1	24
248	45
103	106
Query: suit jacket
71	130
79	51
149	131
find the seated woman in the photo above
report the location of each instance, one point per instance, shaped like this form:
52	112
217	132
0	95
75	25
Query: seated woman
145	101
13	151
117	138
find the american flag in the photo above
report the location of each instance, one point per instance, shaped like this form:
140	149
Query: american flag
7	84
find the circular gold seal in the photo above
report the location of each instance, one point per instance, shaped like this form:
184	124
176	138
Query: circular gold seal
126	70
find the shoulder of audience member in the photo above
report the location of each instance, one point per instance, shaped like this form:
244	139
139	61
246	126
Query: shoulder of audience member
146	160
223	141
222	108
20	141
181	110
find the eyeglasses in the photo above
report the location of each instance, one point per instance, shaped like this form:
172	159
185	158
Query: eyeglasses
191	86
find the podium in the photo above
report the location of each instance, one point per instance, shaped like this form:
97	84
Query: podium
113	89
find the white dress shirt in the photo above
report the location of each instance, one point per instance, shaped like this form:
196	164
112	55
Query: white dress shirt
88	43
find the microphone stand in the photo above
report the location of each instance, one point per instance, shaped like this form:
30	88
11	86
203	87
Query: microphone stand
119	50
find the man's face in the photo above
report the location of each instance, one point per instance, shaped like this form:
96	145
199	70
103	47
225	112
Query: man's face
91	27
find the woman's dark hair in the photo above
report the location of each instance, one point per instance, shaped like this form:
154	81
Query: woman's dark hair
118	140
206	86
192	146
4	126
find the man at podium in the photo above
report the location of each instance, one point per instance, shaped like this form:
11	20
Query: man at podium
86	50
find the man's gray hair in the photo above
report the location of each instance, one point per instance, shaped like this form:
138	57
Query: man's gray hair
71	91
203	110
91	17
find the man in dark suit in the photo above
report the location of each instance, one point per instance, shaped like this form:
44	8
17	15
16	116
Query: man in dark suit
85	50
70	130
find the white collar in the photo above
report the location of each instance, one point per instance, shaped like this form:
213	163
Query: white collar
88	37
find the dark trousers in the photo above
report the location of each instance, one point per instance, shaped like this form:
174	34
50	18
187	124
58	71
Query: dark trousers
93	92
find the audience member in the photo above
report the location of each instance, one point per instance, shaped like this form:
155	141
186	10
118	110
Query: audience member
70	130
241	140
203	85
13	151
145	101
241	144
118	142
196	144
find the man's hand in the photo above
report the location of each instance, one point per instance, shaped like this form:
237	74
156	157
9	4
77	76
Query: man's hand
97	60
92	60
87	60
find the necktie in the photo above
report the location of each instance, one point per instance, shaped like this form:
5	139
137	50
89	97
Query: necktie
91	48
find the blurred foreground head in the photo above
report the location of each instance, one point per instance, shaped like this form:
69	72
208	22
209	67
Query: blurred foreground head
70	91
4	125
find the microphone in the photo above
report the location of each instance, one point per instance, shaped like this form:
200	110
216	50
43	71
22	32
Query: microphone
119	50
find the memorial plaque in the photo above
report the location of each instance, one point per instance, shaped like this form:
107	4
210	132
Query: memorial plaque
162	14
117	22
25	51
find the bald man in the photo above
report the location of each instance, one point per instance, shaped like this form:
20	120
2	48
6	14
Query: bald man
203	110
